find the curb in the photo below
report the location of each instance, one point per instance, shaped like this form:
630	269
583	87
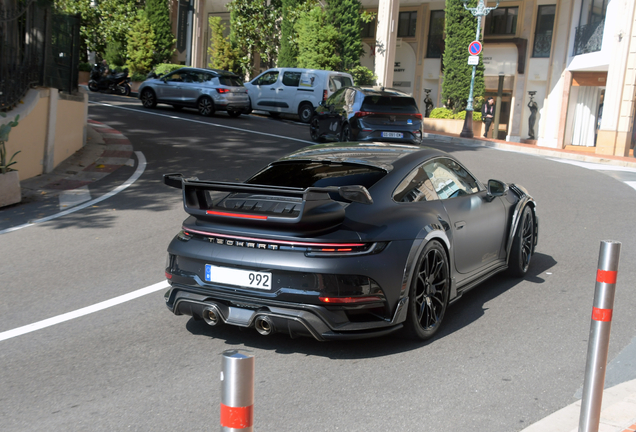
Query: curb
534	150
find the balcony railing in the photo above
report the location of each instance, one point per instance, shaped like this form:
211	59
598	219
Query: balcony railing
542	44
589	38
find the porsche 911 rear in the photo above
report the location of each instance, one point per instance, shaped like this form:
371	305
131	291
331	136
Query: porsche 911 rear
277	257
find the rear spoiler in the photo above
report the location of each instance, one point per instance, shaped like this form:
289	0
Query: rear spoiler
316	207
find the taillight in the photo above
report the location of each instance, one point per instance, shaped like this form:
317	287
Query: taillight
418	115
349	300
236	215
324	95
363	113
223	90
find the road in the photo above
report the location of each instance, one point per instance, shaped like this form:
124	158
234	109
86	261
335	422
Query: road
510	352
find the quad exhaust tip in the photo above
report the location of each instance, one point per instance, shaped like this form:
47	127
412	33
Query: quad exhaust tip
211	315
264	325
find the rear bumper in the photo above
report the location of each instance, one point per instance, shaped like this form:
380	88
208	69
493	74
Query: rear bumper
295	319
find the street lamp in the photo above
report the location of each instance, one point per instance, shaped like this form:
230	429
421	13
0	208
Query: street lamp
480	11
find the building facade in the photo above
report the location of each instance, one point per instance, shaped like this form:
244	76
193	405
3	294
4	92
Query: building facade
564	70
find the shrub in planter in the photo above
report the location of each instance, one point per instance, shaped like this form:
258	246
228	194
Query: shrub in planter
136	76
441	113
84	67
363	76
9	180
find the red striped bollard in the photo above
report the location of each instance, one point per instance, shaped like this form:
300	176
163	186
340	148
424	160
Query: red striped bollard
598	344
237	391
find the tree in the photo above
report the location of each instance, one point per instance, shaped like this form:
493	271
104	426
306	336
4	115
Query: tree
345	15
461	26
158	13
141	45
108	20
316	41
288	53
222	55
255	28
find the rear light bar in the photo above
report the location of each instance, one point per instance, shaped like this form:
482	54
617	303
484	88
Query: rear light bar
324	95
236	215
222	90
367	113
349	300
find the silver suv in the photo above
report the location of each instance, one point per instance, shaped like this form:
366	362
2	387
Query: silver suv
207	90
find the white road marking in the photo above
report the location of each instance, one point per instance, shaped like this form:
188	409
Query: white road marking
202	122
594	166
133	178
83	311
73	197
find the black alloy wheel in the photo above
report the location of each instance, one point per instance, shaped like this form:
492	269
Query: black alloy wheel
314	130
148	98
305	111
233	113
428	297
345	134
206	106
522	245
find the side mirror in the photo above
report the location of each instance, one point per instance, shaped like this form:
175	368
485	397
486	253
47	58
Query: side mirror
496	188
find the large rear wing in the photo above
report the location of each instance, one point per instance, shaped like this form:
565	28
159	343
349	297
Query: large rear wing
265	204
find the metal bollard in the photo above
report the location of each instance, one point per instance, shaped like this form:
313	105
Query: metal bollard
598	344
237	391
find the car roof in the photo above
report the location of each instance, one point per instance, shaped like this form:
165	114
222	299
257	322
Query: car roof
380	91
375	154
218	72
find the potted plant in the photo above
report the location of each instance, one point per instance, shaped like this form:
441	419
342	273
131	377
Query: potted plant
9	180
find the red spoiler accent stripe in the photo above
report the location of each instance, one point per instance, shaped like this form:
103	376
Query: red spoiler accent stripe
237	417
606	276
604	315
285	242
236	215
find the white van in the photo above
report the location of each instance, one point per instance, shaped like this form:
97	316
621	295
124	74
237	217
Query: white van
294	91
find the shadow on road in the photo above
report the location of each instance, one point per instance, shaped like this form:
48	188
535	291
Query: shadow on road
461	314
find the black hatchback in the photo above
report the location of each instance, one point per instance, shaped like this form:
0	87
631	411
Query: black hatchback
367	114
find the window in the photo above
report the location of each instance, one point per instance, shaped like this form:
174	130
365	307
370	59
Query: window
543	32
415	187
230	81
435	47
407	24
450	179
589	34
368	29
502	21
389	104
338	82
268	78
291	79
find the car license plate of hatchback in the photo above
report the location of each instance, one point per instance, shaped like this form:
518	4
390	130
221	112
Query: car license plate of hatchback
392	135
243	278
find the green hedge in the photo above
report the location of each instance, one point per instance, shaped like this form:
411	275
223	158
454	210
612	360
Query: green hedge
84	67
164	68
445	113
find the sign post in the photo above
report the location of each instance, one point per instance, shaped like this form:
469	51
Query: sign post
480	11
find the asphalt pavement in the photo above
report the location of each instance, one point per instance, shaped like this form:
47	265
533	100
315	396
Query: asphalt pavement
107	150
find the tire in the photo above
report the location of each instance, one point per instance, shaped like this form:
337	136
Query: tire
148	98
92	86
314	130
522	245
177	107
305	112
205	106
234	114
345	134
124	90
428	296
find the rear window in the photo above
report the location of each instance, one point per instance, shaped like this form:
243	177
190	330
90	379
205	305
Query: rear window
303	174
397	104
338	82
230	81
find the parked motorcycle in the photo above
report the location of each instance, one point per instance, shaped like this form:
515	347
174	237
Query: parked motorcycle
113	83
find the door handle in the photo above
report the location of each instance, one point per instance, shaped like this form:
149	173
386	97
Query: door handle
459	225
273	89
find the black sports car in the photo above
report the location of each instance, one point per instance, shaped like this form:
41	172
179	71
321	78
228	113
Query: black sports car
345	240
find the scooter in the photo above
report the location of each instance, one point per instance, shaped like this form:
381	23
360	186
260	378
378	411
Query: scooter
114	83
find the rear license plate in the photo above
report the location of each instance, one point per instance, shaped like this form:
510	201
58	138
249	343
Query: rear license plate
243	278
392	135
